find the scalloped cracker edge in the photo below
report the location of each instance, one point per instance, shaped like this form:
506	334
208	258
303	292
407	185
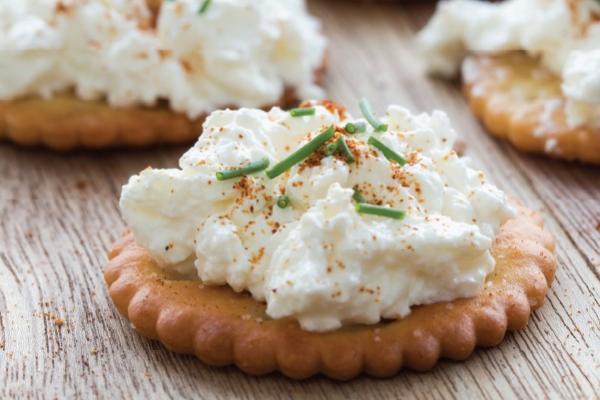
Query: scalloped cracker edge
222	327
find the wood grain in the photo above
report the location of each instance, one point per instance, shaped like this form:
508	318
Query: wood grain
60	336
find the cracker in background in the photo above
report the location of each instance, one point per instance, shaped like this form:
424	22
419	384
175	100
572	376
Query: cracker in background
518	99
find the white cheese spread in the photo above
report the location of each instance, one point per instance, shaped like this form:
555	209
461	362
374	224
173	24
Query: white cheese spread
564	34
318	260
236	52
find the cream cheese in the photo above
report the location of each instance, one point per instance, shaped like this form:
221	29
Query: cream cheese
564	34
318	260
238	52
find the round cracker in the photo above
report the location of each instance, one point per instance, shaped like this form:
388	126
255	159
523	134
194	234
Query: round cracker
518	99
66	122
222	327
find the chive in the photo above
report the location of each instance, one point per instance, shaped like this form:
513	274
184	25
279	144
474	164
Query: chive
360	127
331	149
387	152
358	197
363	208
248	169
283	201
365	107
345	150
300	154
302	112
353	127
204	7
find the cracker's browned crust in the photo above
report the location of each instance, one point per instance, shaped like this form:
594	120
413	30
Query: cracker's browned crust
222	327
66	122
517	99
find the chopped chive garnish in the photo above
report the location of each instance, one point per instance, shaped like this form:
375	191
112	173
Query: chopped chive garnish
204	7
363	208
358	197
331	149
365	107
387	152
345	150
353	127
361	127
300	154
302	112
283	201
248	169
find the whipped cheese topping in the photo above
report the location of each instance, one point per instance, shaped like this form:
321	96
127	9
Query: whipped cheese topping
318	260
236	52
564	34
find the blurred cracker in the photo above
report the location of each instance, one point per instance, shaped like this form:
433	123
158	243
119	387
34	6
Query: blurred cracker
521	101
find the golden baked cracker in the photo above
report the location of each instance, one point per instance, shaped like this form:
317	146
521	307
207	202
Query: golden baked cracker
518	99
66	122
222	327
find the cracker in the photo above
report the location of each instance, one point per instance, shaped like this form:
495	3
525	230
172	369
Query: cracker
66	122
222	327
519	100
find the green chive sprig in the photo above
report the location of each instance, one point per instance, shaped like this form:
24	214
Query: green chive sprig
248	169
300	154
365	108
358	197
302	112
331	149
204	7
343	148
353	127
283	201
387	152
364	208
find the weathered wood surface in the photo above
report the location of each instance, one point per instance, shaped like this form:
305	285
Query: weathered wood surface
61	337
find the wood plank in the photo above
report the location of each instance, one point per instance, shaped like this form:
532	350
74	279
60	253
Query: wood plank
59	215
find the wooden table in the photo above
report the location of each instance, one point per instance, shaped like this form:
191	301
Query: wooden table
60	336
